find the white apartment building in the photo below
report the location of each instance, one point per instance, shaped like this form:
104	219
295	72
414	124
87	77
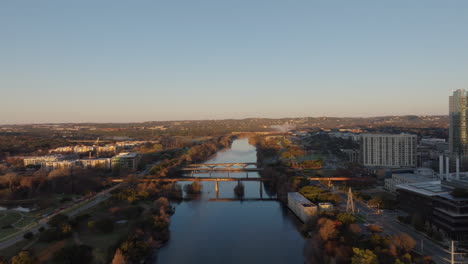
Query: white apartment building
388	150
102	163
40	160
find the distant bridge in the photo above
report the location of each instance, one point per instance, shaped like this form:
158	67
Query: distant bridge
260	179
226	165
222	167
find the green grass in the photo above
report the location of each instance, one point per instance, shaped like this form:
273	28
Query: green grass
24	222
9	218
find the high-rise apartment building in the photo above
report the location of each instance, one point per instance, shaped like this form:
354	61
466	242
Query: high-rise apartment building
388	150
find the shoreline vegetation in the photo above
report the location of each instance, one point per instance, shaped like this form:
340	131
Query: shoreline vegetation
129	227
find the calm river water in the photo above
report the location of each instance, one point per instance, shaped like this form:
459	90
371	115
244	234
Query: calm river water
205	231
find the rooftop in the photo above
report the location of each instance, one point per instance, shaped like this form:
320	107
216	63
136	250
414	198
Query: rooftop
429	188
127	155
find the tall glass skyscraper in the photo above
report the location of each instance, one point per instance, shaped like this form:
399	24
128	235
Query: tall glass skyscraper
458	137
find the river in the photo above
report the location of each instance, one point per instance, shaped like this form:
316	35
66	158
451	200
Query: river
205	231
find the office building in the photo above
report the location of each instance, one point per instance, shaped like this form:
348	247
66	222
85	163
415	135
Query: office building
125	160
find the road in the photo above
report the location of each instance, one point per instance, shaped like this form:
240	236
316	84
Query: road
70	211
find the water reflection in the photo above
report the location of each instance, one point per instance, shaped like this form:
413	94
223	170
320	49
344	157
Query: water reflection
205	231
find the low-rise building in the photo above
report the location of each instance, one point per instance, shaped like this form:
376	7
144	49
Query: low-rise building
62	164
418	175
325	207
100	163
301	206
40	160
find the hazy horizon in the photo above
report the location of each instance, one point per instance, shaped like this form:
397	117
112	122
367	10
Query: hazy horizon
220	119
120	61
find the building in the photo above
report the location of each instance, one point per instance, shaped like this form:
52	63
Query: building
301	206
325	207
434	204
418	175
352	154
40	160
107	148
62	164
126	160
388	150
458	129
100	163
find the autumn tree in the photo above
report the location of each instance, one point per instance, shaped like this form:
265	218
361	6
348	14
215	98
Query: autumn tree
363	256
23	257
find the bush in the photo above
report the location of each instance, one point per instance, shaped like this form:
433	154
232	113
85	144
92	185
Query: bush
58	220
28	235
105	225
75	254
91	224
132	211
50	235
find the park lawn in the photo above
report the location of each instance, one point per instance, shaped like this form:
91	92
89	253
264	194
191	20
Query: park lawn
101	242
27	220
9	218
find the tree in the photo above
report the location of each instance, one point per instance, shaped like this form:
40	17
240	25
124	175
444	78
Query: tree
193	188
404	242
58	220
118	257
363	256
75	254
24	257
327	229
346	218
134	250
239	190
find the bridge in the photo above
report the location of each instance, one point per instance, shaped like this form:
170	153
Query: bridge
260	180
216	179
222	167
226	165
208	170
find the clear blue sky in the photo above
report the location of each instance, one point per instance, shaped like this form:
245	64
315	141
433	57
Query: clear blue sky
119	61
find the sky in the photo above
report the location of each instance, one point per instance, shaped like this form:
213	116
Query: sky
132	61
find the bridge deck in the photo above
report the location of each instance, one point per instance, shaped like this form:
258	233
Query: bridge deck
243	179
242	164
199	169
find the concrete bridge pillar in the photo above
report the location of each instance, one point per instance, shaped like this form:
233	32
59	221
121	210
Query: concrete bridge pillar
261	189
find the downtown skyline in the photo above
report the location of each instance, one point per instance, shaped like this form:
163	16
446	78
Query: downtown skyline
97	62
